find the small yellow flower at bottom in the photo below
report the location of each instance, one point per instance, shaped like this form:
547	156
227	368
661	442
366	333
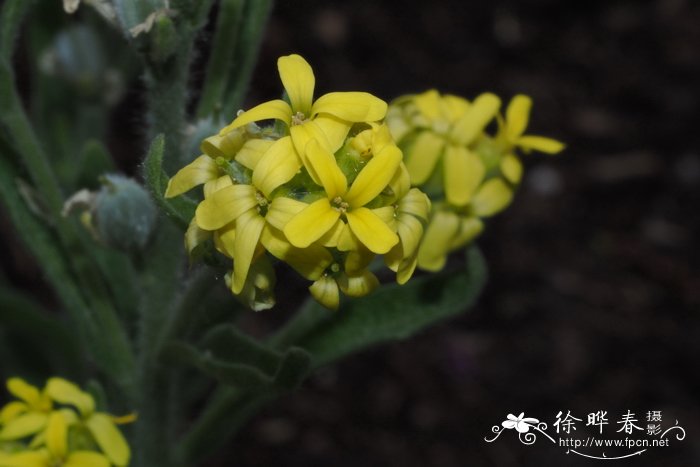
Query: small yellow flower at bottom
56	452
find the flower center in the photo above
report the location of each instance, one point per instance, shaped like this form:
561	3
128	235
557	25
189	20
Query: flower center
298	118
262	203
340	205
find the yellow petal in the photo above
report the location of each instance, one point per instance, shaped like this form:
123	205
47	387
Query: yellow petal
381	138
301	136
225	146
281	211
422	156
463	172
276	109
213	186
310	262
298	80
311	223
252	151
453	107
334	128
201	170
57	435
325	291
351	106
406	269
22	390
400	183
428	104
410	232
332	238
469	229
125	419
65	392
358	285
12	410
374	177
512	168
225	205
433	250
86	459
492	197
415	203
26	459
358	260
276	167
109	439
345	240
398	126
327	170
477	116
194	236
517	117
371	230
248	229
24	425
224	239
540	143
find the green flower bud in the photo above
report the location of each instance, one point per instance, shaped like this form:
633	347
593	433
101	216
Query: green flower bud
124	214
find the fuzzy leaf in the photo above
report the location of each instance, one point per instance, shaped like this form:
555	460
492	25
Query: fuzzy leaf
180	209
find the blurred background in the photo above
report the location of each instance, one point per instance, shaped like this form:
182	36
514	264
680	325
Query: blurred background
594	290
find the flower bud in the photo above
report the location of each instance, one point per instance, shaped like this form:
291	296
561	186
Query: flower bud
123	214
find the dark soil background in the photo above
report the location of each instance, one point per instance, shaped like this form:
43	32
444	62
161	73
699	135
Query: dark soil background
594	291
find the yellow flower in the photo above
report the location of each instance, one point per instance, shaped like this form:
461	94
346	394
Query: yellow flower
447	126
100	425
25	417
57	452
510	136
516	120
469	174
327	119
339	200
322	190
252	208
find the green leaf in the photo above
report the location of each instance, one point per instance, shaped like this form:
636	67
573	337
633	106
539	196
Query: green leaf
393	312
238	360
180	209
46	336
13	12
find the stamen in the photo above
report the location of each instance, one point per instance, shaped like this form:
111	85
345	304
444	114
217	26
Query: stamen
262	203
339	204
298	118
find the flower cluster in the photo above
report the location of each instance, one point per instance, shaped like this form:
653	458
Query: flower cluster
58	425
468	173
323	189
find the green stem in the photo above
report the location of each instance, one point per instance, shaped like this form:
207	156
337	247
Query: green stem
256	13
167	99
220	65
184	312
